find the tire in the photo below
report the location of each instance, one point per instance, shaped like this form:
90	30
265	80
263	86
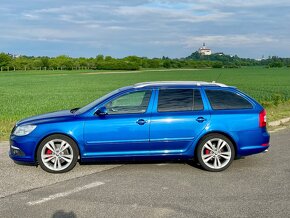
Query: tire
215	152
57	154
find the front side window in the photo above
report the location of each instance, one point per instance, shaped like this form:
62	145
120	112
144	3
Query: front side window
226	100
174	100
131	103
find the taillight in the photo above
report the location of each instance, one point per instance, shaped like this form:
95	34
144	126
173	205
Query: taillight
262	118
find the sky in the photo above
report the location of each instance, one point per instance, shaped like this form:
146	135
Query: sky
151	28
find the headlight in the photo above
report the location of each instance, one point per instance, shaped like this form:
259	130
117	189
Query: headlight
24	130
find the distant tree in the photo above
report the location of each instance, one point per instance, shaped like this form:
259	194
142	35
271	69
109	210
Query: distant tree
133	59
154	63
44	62
167	64
100	58
91	63
22	63
37	63
108	58
53	63
277	64
165	58
76	64
117	65
5	60
64	62
83	62
217	64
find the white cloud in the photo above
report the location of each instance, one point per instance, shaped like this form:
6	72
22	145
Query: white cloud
30	16
248	3
229	40
186	15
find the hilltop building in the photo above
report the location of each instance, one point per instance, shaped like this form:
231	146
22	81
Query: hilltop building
204	51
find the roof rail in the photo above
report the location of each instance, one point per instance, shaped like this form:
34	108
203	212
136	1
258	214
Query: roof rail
196	83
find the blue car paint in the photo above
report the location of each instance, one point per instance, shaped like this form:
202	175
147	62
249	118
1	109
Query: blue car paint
172	135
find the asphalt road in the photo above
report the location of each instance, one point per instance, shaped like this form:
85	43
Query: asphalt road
257	186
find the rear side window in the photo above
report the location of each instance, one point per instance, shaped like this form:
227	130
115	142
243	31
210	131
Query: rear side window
173	100
225	100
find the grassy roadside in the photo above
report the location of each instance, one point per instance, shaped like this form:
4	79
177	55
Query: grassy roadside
278	112
275	113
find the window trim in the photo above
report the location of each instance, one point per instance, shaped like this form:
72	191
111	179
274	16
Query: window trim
231	91
184	111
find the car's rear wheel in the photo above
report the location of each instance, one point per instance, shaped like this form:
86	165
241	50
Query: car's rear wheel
215	152
57	154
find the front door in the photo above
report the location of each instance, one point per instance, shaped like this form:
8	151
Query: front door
124	131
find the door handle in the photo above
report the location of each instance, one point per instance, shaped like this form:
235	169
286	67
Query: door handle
141	121
200	119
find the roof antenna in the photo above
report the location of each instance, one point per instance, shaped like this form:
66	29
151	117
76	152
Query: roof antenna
214	81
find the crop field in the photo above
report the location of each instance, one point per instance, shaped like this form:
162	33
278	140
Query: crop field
29	93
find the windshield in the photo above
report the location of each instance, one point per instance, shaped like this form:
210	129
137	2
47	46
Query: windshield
94	103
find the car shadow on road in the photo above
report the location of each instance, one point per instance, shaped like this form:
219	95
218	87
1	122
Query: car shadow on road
63	214
25	164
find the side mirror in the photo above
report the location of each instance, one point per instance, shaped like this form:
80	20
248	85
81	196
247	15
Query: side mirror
102	112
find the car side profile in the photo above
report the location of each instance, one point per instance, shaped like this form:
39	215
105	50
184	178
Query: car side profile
210	123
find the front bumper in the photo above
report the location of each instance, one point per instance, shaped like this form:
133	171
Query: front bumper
22	148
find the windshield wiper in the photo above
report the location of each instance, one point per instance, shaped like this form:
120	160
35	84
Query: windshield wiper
74	110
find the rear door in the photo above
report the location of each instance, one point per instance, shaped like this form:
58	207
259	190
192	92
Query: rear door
178	117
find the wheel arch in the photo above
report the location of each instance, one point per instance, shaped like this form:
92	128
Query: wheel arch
217	132
50	134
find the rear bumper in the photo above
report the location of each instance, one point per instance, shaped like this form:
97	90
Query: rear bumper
253	142
249	150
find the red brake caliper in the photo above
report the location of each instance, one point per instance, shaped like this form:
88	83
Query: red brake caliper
48	152
207	151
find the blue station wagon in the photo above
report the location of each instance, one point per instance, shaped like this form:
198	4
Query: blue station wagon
210	123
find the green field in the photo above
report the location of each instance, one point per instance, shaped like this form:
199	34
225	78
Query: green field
28	93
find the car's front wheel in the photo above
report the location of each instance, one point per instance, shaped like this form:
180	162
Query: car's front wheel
57	154
215	152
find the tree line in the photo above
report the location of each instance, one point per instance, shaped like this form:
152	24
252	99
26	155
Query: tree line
195	60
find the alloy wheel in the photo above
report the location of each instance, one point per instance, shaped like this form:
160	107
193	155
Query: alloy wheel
216	153
57	154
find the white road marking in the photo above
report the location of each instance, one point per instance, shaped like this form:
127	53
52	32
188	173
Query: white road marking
161	164
64	194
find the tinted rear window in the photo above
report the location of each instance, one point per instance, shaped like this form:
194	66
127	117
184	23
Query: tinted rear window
179	100
225	100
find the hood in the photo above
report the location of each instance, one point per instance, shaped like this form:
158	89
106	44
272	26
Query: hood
49	117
